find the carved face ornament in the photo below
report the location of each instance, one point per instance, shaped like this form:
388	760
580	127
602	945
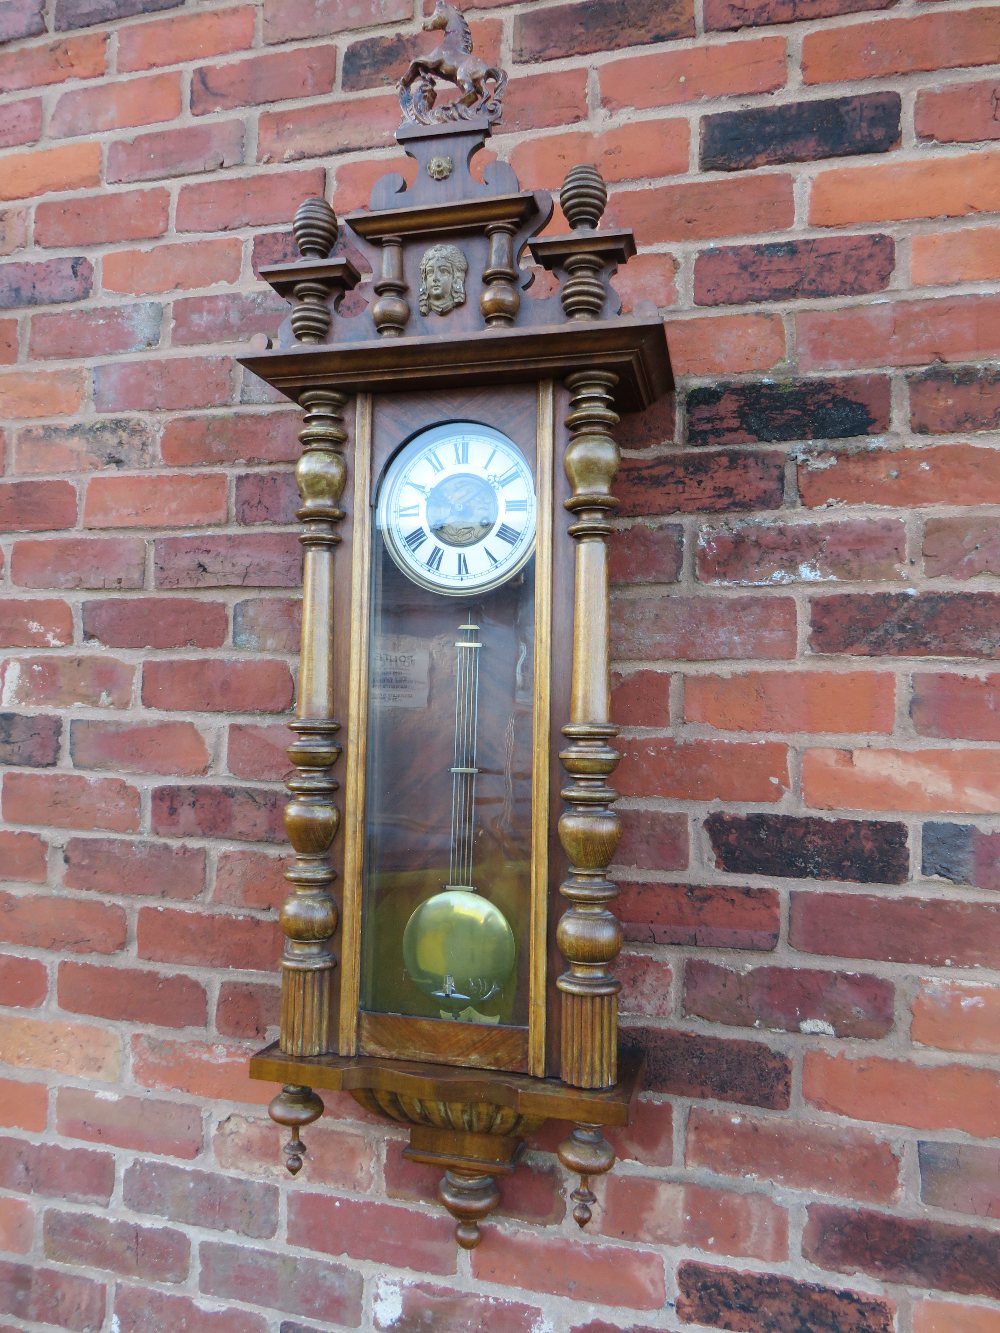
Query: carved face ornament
442	279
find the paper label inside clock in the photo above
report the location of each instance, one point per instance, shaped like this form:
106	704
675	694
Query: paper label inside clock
401	672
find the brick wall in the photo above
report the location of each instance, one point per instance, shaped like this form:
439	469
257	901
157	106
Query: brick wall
807	615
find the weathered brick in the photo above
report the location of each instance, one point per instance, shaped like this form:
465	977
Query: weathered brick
203	1070
22	18
697	629
308	1287
69	800
224	438
905	333
288	135
645	553
939	932
17	1226
34	623
787	999
181	152
771	1303
259	753
403	1304
167	383
699	770
159	502
687	1064
22	856
166	268
960	548
948	1317
944	401
868	851
804	409
266	497
961	1177
114	865
263	560
790	270
131	995
81	57
32	1292
657	1212
124	215
595	1274
140	1124
607	25
287	20
963	113
800	131
720	344
202	1198
890	624
159	1254
653	840
962	854
339	1155
217	686
249	879
65	682
248	1009
957	1016
139	747
267	624
757	553
958	474
819	1159
185	37
640	698
969	255
29	741
702	482
788	701
228	318
248	814
46	922
541	99
101	332
80	1175
207	939
930	41
41	393
963	781
264	79
704	915
51	282
37	506
167	1310
155	622
24	982
112	106
22	123
84	446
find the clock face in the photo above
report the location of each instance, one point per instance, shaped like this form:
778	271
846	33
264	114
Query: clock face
457	509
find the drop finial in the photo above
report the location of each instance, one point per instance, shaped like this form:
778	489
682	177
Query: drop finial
583	197
315	229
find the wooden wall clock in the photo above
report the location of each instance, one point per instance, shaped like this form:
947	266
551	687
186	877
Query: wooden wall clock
449	932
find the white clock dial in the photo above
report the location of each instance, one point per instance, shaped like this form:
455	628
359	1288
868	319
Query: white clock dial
457	508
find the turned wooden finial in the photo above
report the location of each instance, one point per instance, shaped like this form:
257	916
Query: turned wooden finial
315	229
583	197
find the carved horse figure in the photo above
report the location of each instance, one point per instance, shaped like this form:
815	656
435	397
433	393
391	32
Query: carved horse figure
454	62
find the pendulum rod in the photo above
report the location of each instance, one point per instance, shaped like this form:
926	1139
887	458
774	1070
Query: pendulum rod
464	770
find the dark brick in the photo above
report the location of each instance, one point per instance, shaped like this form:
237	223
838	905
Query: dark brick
48	283
686	1064
600	25
249	814
800	132
893	624
946	400
120	442
786	999
710	483
714	916
88	13
937	932
653	840
375	62
768	554
793	270
962	854
32	742
21	18
802	847
769	1303
646	553
31	1293
963	1177
695	629
790	410
900	1249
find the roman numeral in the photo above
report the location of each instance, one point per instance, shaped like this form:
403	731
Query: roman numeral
421	490
510	476
411	511
461	448
415	539
463	565
489	460
507	534
490	556
515	507
434	461
434	559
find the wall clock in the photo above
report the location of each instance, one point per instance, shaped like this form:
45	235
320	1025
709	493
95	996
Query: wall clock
450	937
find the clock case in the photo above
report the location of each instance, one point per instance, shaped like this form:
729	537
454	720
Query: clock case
362	359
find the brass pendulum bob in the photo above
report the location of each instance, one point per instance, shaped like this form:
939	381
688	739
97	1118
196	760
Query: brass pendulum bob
458	948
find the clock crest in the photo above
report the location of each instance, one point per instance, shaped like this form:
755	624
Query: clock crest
449	934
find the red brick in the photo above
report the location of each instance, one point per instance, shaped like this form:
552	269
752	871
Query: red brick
86	13
961	1177
713	916
790	701
64	1300
424	1305
246	1009
180	152
965	707
63	682
260	559
640	698
694	629
37	506
789	270
251	201
968	255
258	437
749	13
606	25
957	1016
630	152
962	113
8	341
647	278
71	167
703	770
79	1175
371	1230
150	869
22	18
907	625
139	747
22	123
287	20
17	1225
23	983
79	562
140	1124
259	752
132	995
47	922
338	1156
652	840
201	1198
117	105
755	553
23	1105
250	879
655	1212
944	400
207	939
819	1159
648	1139
83	446
102	332
267	624
264	79
80	1050
938	187
700	482
42	393
960	548
602	1275
169	1312
13	224
289	135
940	932
82	57
126	215
904	333
271	497
889	46
22	856
158	1254
200	1069
217	686
958	474
645	985
227	318
789	999
71	801
541	99
182	38
155	622
929	780
164	384
308	1287
773	1303
706	209
917	1251
944	1317
246	814
26	623
668	77
166	268
159	502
